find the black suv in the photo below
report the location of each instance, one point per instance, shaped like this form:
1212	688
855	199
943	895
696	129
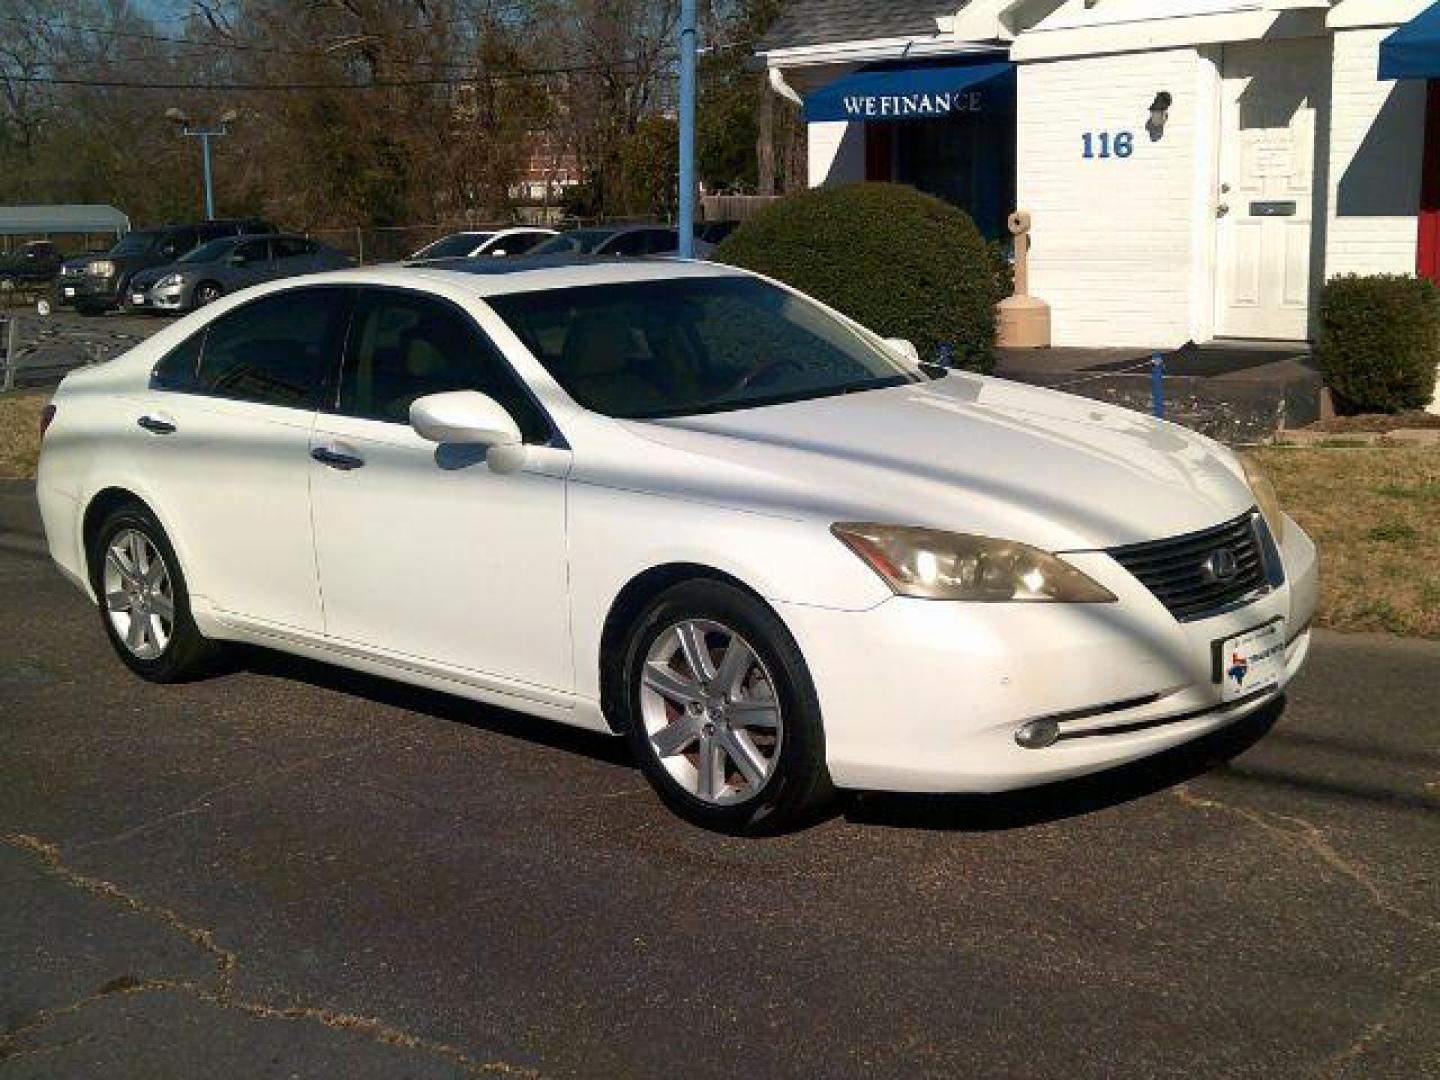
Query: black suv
104	283
35	263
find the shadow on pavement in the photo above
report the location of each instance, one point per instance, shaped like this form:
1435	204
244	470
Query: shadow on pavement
432	703
975	813
1069	798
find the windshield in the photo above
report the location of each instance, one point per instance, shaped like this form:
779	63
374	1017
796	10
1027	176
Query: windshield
448	247
136	243
649	349
575	242
210	252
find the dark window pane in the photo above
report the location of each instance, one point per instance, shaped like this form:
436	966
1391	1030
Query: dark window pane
671	348
404	346
253	251
276	350
176	369
289	247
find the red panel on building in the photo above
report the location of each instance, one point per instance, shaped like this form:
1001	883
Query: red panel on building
1428	257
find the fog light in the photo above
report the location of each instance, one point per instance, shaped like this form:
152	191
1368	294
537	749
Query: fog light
1038	734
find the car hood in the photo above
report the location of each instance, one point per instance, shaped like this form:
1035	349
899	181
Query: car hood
964	453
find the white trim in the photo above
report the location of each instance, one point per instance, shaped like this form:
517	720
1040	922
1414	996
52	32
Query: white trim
849	52
1356	14
1145	35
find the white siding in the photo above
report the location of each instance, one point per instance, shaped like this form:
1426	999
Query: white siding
836	153
1118	249
1377	138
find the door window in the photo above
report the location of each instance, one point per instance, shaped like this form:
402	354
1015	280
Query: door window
275	351
635	243
252	252
291	247
404	346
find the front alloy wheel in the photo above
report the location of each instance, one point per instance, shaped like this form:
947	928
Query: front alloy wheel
721	712
710	712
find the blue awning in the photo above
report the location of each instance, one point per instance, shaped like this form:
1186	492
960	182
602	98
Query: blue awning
1413	51
921	91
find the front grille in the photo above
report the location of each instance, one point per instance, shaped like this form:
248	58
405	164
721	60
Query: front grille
1175	570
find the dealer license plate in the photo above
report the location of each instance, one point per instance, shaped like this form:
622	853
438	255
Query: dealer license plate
137	299
1252	661
69	294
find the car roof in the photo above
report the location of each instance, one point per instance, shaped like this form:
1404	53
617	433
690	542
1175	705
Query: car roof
522	273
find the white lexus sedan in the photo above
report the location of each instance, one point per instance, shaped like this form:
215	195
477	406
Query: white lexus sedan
682	504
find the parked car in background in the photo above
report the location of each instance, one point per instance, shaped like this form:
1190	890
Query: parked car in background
72	270
630	240
678	503
495	242
106	282
32	264
223	266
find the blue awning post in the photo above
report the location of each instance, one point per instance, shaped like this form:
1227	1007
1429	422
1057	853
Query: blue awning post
921	91
1413	51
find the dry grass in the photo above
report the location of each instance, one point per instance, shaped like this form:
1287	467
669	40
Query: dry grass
20	433
1375	515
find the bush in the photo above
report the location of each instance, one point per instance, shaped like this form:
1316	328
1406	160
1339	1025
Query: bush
1380	342
903	264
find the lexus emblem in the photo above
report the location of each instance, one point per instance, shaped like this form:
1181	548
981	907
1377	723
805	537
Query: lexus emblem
1221	567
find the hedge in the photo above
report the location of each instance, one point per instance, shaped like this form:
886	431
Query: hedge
1379	342
902	263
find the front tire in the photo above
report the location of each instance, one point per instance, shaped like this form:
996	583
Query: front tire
206	293
721	711
143	601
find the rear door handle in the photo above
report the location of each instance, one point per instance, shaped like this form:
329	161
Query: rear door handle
156	426
335	459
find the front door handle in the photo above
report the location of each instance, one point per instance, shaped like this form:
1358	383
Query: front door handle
156	426
336	460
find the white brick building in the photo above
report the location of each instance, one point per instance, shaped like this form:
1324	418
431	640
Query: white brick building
1275	156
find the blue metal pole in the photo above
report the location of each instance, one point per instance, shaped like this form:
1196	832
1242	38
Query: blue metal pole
687	129
1157	385
209	190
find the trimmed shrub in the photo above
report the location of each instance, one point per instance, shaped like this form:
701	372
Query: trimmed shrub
903	264
1380	342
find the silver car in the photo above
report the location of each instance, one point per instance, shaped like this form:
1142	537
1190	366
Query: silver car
223	266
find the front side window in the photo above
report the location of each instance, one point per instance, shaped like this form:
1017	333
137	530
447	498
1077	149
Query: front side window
452	247
274	351
649	349
214	251
575	242
404	345
252	251
290	247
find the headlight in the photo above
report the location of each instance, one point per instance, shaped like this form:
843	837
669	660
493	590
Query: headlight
166	282
1265	496
102	268
934	565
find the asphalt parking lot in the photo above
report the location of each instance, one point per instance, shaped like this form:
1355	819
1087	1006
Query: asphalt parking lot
293	871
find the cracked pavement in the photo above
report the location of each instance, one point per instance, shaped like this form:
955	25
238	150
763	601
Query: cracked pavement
289	870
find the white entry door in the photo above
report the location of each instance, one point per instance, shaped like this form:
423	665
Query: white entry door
1271	94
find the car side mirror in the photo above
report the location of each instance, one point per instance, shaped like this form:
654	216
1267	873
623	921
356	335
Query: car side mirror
905	348
465	417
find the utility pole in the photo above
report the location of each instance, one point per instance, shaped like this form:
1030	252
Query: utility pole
180	119
687	129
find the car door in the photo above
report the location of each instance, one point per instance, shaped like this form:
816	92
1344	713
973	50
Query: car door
426	551
222	440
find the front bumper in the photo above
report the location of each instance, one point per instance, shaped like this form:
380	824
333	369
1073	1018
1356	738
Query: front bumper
927	696
169	297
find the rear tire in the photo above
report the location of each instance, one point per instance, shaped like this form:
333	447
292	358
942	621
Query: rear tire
143	600
732	742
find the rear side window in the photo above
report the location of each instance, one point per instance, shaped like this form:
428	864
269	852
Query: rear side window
404	345
275	351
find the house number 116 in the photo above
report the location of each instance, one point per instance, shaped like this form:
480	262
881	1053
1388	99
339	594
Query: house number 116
1104	145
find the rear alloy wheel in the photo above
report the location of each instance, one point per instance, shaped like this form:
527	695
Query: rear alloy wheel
723	716
143	600
207	292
